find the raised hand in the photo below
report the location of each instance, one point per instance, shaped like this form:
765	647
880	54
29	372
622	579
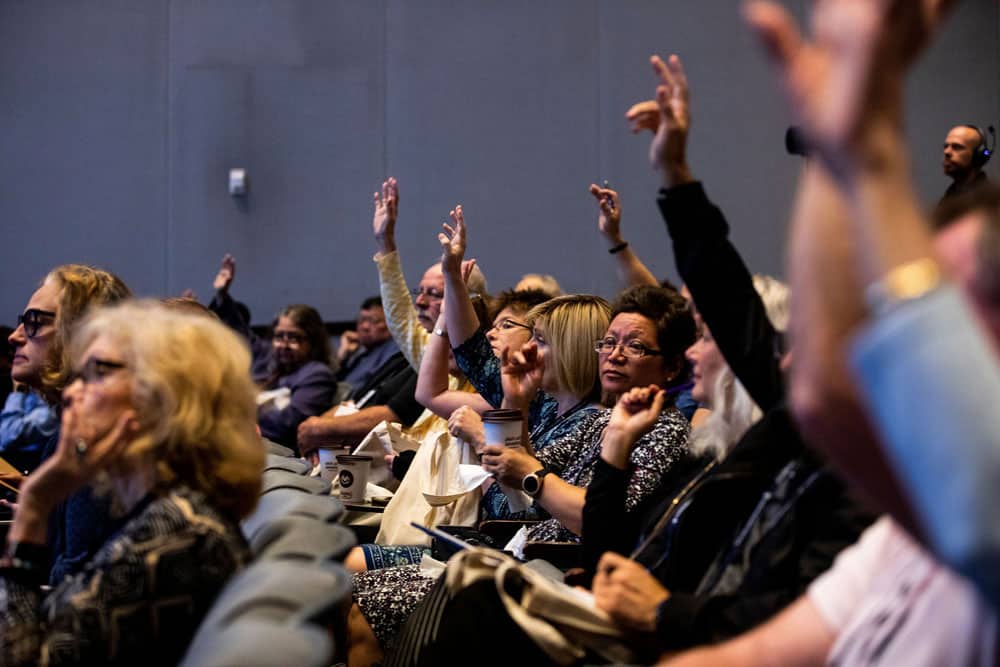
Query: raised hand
637	410
644	115
224	278
849	77
520	375
452	241
668	150
633	416
384	218
610	216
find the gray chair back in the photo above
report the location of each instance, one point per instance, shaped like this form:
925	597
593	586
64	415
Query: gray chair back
300	538
282	479
281	503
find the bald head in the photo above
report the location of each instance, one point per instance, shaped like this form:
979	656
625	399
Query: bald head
959	146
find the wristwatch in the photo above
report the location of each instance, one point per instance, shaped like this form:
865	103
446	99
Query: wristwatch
533	481
907	282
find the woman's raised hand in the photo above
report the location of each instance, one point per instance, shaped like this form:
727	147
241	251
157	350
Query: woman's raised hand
452	241
633	416
520	375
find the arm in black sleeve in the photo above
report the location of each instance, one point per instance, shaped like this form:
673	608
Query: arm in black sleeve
723	290
830	521
606	524
224	306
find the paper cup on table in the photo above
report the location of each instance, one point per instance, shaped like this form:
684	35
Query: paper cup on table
353	476
328	468
503	427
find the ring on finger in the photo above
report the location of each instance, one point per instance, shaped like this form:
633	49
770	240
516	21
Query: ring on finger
81	447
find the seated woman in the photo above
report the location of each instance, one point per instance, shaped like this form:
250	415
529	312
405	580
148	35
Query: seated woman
295	364
642	345
160	418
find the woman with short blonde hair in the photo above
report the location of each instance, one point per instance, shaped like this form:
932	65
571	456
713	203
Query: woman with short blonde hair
159	415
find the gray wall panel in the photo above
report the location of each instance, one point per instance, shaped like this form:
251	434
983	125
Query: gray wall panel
293	92
494	105
82	112
120	119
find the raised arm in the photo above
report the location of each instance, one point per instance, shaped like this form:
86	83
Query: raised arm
432	381
631	270
460	315
845	87
400	313
710	266
222	303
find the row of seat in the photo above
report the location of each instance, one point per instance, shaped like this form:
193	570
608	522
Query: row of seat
287	606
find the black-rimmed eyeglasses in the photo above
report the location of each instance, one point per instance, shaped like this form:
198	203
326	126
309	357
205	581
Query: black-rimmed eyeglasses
33	319
632	349
507	324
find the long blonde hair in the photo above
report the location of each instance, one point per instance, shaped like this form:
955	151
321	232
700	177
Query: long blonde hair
732	409
194	398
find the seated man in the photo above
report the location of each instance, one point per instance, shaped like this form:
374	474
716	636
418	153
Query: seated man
370	347
389	396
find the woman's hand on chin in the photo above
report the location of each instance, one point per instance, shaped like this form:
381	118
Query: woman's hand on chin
80	455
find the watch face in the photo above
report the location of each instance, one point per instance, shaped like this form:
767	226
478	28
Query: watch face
530	484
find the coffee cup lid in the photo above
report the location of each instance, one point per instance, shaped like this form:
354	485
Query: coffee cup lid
502	416
349	458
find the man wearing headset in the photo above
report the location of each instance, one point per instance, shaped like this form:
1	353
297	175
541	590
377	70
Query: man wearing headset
965	155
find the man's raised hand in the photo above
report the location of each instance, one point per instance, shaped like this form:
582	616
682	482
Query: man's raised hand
384	218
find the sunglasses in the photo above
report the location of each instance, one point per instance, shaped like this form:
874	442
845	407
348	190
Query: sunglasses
33	319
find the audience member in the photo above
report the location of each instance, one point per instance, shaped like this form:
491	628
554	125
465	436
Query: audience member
646	351
541	282
292	369
965	154
26	424
373	346
41	342
159	415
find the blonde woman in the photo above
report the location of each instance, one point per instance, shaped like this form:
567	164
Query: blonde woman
159	417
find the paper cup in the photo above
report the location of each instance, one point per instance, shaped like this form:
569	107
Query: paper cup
503	427
328	468
353	476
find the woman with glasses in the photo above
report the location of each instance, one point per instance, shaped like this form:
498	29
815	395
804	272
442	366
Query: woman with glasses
158	419
41	345
292	369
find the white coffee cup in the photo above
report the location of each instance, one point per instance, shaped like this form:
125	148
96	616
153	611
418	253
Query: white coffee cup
328	468
503	427
353	476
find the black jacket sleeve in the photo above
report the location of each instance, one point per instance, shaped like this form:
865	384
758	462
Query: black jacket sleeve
723	290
